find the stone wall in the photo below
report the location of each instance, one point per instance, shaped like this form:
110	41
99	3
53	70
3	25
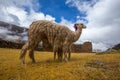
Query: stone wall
85	47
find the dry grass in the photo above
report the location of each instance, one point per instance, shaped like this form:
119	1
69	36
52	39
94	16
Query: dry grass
84	66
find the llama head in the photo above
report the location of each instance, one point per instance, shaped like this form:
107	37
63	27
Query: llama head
79	25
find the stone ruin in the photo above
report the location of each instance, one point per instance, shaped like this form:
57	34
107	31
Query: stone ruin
85	47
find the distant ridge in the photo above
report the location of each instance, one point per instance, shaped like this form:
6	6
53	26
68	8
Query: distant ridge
8	44
117	47
13	27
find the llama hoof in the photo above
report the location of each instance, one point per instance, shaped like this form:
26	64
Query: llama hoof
33	61
22	63
66	60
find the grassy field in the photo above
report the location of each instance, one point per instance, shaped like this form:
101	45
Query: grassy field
83	66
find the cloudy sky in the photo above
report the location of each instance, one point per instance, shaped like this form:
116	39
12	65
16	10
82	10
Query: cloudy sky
102	17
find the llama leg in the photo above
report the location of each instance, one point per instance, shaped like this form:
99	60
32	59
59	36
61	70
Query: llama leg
65	57
23	52
65	52
31	55
54	56
69	54
60	59
31	50
60	54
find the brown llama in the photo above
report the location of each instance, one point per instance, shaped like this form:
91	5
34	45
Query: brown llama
56	34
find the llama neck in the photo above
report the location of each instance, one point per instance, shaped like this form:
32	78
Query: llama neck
77	34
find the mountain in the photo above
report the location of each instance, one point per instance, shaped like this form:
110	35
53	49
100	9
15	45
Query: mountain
116	47
12	36
13	33
13	27
9	44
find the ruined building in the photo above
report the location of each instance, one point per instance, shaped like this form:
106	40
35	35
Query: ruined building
85	47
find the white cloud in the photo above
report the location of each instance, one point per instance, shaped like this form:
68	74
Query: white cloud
81	5
67	23
98	47
15	11
11	38
4	30
21	13
103	20
33	16
104	13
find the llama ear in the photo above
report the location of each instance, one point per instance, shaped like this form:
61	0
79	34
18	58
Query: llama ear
75	26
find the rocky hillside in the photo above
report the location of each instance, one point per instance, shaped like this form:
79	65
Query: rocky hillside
9	44
13	33
12	36
117	47
11	27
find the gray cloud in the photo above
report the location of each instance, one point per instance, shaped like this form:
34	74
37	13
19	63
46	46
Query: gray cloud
5	34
